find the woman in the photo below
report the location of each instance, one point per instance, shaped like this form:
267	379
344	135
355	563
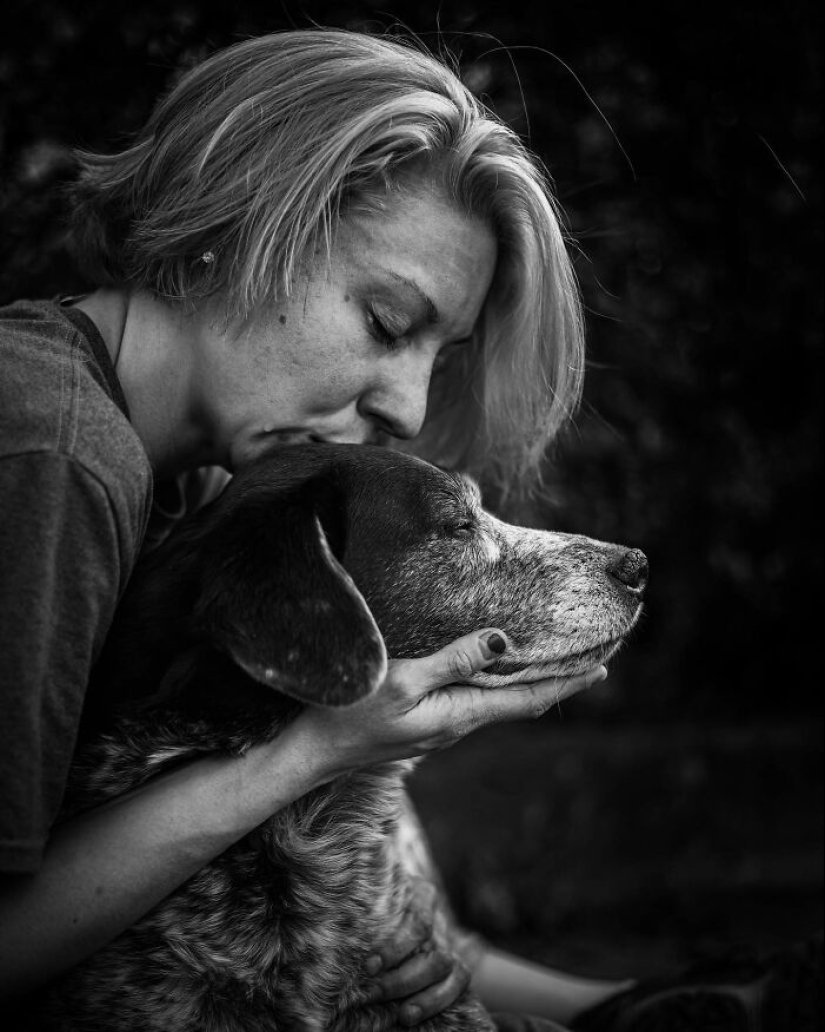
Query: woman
317	235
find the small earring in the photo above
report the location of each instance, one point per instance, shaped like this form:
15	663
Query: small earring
208	257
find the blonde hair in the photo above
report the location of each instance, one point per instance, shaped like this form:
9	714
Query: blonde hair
255	154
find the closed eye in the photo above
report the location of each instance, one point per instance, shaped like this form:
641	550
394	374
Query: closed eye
383	333
464	529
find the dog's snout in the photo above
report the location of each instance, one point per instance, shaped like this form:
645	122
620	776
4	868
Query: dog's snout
630	569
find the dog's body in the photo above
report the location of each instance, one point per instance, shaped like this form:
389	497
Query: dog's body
268	600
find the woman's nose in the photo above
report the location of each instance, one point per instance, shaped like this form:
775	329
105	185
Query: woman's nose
396	401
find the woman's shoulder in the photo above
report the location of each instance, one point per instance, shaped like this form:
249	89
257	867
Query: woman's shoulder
59	396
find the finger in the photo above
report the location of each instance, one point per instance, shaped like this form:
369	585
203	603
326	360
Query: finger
571	686
457	662
517	701
414	975
540	696
436	998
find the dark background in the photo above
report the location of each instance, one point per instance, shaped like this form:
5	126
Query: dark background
680	804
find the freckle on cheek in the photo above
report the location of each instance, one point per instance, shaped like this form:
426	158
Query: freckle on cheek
282	320
346	298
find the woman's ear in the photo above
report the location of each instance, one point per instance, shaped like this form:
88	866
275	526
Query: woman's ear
276	599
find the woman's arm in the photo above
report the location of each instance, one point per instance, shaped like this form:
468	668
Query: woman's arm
103	870
505	983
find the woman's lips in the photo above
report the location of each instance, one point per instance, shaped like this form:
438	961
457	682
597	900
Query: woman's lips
291	436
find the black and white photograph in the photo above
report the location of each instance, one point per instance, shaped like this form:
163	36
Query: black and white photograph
411	507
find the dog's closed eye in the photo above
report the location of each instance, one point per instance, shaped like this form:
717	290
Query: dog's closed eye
463	529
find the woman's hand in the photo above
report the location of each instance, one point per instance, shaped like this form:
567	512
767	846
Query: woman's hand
411	968
426	704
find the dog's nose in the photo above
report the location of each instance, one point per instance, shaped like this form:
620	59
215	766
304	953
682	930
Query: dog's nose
630	568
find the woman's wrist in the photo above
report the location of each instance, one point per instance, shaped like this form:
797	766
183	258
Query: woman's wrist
327	744
301	759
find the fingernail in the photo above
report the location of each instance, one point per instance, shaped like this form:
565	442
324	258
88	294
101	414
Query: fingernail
374	965
599	674
410	1015
494	643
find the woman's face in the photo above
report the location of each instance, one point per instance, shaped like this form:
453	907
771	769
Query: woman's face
350	354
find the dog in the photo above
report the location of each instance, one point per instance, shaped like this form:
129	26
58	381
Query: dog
291	589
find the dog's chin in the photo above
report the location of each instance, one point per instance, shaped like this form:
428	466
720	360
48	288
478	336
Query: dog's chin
512	672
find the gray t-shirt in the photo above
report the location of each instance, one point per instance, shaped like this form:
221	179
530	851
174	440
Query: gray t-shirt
75	498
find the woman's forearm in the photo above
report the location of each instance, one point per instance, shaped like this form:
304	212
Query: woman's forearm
104	870
505	983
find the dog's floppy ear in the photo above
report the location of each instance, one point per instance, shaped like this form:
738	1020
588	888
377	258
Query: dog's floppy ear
275	598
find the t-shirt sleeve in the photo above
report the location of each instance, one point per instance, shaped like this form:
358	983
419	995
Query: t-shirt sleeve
60	578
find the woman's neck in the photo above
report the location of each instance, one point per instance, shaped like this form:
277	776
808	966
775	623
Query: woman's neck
153	346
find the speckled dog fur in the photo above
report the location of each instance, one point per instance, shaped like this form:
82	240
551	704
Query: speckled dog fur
268	600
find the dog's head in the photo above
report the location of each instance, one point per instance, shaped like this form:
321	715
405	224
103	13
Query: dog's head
319	561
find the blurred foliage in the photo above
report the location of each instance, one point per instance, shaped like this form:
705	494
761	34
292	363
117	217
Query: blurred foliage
686	152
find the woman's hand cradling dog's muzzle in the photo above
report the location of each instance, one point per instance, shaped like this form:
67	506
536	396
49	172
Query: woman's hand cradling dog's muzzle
429	704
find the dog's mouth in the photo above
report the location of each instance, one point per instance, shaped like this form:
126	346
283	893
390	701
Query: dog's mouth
570	665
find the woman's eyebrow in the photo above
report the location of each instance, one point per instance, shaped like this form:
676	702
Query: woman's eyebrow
426	300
